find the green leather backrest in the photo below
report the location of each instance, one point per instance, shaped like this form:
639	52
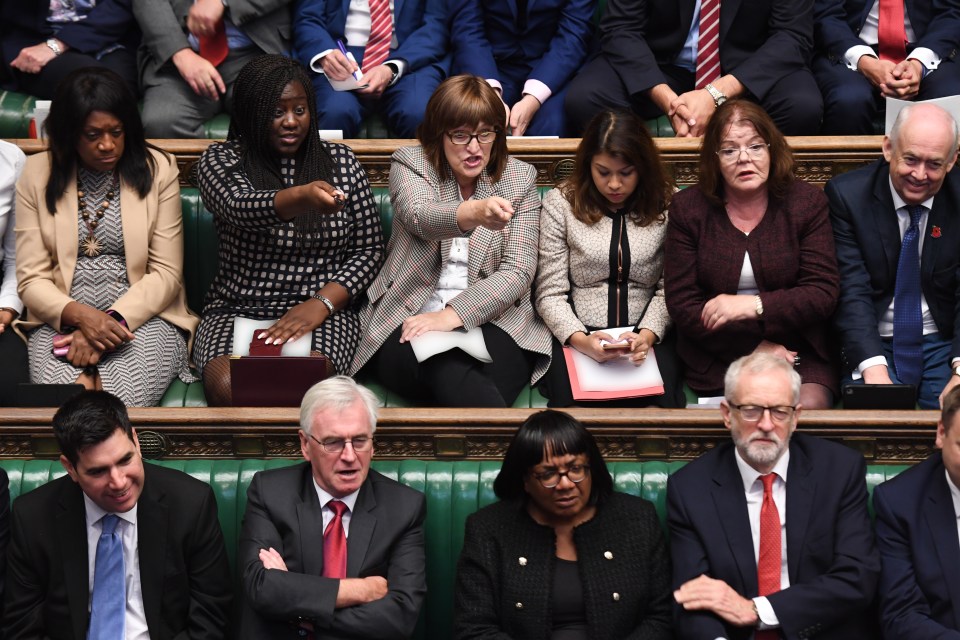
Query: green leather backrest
453	490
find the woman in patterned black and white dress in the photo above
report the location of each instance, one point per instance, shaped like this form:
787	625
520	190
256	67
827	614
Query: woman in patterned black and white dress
100	248
299	231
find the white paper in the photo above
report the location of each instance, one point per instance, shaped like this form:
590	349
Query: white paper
619	374
347	85
433	342
243	329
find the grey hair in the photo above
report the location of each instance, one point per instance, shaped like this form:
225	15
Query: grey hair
337	392
904	115
755	363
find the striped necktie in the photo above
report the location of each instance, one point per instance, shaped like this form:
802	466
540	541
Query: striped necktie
708	45
381	32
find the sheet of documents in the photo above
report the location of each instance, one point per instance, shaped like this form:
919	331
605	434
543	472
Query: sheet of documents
347	85
433	342
243	329
592	380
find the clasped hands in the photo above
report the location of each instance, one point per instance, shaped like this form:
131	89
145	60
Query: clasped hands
352	591
591	345
894	80
707	594
96	334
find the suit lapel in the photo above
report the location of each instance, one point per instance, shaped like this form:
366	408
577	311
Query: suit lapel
801	489
72	539
731	506
133	216
941	217
310	517
363	521
728	10
940	518
481	237
885	219
67	231
152	519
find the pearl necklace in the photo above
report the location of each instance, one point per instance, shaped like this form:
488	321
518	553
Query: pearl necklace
91	245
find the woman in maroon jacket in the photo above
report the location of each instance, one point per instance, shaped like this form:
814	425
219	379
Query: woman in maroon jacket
749	259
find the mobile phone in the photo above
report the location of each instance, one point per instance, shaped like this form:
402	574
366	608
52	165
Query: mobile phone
60	352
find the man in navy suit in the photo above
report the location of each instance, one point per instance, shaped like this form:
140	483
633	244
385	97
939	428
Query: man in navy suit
526	49
648	58
870	210
854	79
822	555
917	533
399	87
292	585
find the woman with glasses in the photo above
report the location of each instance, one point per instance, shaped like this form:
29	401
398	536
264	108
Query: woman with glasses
461	257
562	556
601	257
751	264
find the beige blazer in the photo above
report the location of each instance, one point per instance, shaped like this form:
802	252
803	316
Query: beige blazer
153	242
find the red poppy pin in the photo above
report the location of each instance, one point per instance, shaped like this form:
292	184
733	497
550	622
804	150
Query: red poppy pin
935	232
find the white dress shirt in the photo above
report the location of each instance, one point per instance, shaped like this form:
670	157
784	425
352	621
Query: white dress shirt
356	33
350	500
136	617
869	34
11	164
955	494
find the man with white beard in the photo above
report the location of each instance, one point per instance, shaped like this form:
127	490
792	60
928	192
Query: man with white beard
741	567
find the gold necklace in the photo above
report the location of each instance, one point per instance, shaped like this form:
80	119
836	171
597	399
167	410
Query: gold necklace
90	245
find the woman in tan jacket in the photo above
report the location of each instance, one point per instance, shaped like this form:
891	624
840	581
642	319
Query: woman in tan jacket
100	248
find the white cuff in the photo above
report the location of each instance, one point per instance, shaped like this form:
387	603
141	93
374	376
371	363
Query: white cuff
768	619
926	57
496	85
315	65
869	362
401	66
537	89
854	53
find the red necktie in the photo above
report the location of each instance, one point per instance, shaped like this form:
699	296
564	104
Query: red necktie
891	31
213	47
708	45
768	568
381	32
335	543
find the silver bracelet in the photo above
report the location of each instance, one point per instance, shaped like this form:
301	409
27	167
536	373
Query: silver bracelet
326	302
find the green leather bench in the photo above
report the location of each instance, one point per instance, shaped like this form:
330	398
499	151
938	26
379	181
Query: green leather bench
200	268
454	490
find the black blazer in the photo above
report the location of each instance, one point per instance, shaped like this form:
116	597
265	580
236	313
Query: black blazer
867	239
919	553
507	559
761	41
184	574
385	539
831	558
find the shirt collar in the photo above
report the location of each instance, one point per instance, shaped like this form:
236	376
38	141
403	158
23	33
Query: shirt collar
899	203
749	475
954	493
95	513
350	499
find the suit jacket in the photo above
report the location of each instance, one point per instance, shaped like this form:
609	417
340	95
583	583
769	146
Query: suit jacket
184	574
490	580
761	41
831	558
153	244
4	534
919	554
868	243
164	25
419	30
837	25
552	39
501	264
12	160
385	539
576	261
24	24
793	259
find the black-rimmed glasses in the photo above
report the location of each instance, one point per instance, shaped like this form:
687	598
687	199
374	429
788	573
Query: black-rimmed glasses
336	445
754	412
574	473
464	137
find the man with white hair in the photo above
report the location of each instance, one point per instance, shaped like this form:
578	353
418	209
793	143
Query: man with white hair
897	233
769	534
330	548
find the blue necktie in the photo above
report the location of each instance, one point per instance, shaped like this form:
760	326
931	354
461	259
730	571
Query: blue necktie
907	316
107	612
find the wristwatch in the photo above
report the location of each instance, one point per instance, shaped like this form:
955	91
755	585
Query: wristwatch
716	94
54	46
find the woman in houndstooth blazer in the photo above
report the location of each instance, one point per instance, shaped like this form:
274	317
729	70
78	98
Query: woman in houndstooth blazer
463	253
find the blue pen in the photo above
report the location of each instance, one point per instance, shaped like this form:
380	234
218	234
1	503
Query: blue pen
349	56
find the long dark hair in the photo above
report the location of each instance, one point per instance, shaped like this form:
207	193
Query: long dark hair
560	434
622	135
256	94
77	96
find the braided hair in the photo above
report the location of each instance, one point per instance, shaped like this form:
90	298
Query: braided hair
256	94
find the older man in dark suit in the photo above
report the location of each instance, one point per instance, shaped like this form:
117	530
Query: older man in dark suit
917	533
897	235
329	548
741	567
663	57
117	549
